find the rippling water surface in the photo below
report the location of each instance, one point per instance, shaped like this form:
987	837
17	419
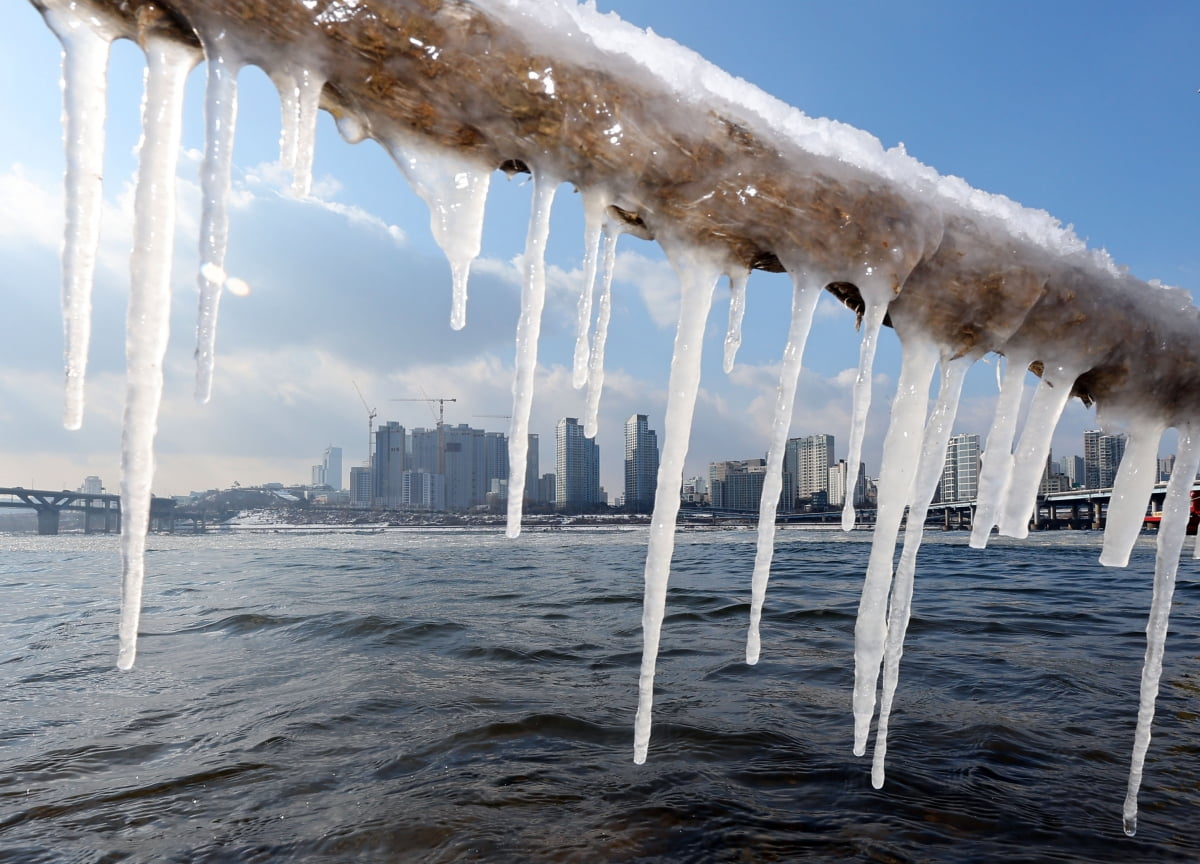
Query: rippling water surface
455	696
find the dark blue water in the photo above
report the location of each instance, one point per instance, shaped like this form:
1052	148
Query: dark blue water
460	697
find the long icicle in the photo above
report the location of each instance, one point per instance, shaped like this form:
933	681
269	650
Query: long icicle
148	319
996	461
901	453
805	292
737	311
300	97
595	385
1171	531
861	406
698	278
1131	491
929	472
595	204
86	47
220	120
1029	459
533	298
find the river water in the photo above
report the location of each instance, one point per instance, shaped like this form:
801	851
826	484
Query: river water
455	696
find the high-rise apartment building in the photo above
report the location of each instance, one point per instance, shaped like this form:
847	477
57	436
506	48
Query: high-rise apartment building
960	474
391	461
641	464
737	484
360	486
577	460
806	464
332	465
1101	458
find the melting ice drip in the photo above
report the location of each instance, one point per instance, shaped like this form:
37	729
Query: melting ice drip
456	191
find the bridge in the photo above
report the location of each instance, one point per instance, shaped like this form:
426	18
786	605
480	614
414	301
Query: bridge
101	511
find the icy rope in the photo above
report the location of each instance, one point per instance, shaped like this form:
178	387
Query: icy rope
595	383
698	274
220	121
806	290
148	320
1171	531
929	472
595	204
737	311
456	194
533	298
901	454
85	45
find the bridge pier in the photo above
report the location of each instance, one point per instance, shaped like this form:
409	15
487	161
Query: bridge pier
47	520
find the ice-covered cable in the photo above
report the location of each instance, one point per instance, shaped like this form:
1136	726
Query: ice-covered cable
901	454
529	325
148	319
85	45
805	292
1171	532
698	274
220	120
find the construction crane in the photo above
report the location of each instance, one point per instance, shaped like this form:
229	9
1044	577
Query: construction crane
371	414
441	414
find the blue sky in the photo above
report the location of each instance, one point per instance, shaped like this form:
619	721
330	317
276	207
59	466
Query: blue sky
1087	110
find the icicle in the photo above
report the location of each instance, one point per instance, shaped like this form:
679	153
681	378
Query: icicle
901	452
148	321
85	46
737	310
872	321
1134	482
996	461
594	206
456	195
929	472
612	231
698	275
533	297
805	292
220	120
1029	460
1171	531
300	97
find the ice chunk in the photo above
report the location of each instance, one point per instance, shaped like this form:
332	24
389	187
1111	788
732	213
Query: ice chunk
737	311
1171	531
698	272
595	204
533	298
929	473
901	454
805	292
85	44
148	320
456	194
220	120
612	230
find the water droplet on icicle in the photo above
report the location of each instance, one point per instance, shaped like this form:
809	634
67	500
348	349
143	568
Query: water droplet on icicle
85	44
533	298
148	319
456	194
220	120
595	204
737	311
1171	532
698	274
595	381
901	454
929	473
805	292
